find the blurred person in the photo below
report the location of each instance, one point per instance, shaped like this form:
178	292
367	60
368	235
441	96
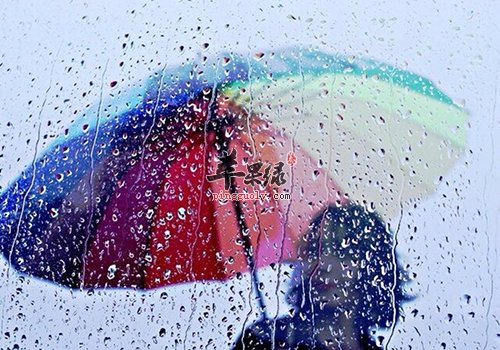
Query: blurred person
341	288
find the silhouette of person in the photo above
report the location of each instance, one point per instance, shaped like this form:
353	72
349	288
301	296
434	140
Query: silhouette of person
344	285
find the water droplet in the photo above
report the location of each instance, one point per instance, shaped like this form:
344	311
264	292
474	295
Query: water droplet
181	213
111	271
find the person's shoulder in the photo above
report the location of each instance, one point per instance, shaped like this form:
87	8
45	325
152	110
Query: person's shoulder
281	333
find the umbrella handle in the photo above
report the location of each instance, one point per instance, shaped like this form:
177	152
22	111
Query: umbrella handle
247	244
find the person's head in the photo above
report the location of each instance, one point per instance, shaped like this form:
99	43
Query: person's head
348	273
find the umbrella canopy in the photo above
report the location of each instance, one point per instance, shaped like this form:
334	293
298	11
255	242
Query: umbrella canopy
125	197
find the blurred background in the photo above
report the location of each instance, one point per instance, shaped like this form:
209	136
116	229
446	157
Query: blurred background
51	52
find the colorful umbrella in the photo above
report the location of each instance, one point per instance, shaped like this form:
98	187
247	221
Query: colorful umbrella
127	197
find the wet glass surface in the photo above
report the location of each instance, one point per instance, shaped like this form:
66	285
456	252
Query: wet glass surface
229	176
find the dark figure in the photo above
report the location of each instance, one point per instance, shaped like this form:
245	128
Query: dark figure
342	287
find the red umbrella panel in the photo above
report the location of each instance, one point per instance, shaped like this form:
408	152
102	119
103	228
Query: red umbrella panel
171	220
